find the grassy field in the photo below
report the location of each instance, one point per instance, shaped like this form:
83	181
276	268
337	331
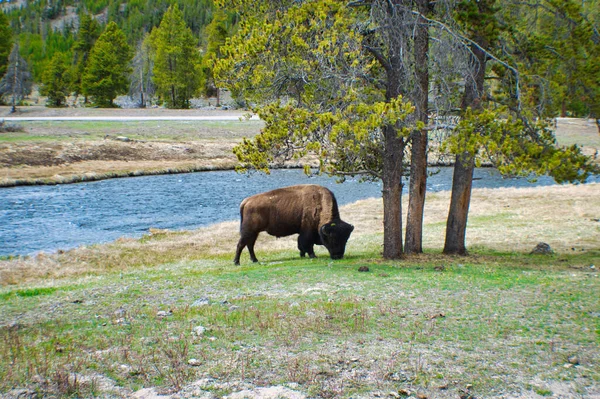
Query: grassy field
169	314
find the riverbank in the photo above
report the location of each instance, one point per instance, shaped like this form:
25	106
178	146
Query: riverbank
69	151
169	314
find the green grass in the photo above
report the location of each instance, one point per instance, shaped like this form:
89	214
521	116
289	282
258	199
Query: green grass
496	321
50	131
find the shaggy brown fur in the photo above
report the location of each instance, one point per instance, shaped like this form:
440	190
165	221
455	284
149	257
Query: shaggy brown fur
308	210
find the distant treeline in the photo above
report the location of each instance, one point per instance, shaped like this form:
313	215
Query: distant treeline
47	27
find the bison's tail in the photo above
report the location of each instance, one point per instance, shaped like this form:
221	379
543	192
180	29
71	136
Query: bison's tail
242	214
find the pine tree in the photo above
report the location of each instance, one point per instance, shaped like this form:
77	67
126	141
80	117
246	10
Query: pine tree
177	60
89	31
56	81
217	32
108	67
5	43
16	83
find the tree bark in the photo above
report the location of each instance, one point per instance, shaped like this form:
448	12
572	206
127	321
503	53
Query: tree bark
418	168
462	180
462	183
393	169
392	193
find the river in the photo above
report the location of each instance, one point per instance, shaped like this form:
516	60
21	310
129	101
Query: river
48	218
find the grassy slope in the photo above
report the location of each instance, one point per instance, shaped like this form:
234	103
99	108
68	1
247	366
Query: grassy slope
499	323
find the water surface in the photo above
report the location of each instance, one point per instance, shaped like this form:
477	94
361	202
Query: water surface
48	218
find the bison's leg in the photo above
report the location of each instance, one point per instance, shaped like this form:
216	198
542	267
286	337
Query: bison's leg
251	242
246	239
306	245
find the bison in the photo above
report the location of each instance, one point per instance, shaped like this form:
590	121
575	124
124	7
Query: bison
308	210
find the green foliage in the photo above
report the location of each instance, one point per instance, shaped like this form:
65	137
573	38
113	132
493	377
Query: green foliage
106	74
319	91
56	81
5	43
558	49
518	148
177	60
88	33
37	51
217	32
35	25
345	140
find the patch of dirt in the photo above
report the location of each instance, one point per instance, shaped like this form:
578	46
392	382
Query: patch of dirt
64	153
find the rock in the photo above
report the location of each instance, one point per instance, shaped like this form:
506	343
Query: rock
149	393
201	302
194	362
199	331
275	392
164	313
363	269
573	360
542	249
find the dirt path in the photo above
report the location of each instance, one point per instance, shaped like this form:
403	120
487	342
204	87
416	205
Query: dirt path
37	111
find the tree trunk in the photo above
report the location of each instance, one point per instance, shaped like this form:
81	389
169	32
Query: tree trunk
418	168
392	193
462	180
393	157
462	183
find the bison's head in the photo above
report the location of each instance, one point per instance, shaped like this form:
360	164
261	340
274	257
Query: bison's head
334	236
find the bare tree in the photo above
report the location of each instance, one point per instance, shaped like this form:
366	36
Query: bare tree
141	84
16	83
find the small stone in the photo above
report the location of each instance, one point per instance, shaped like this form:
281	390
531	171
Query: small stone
404	392
363	269
163	313
421	396
542	249
201	302
573	360
125	368
199	331
194	362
